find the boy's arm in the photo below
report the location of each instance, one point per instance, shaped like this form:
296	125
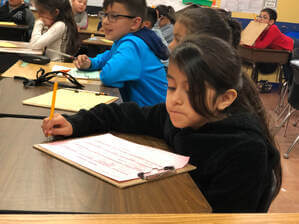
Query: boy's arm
123	66
125	117
39	40
264	41
98	62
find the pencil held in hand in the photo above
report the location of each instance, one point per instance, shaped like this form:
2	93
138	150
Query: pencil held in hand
53	100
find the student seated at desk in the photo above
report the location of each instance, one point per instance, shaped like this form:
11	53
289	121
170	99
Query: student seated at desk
272	38
149	22
80	15
166	19
18	12
213	114
133	63
55	29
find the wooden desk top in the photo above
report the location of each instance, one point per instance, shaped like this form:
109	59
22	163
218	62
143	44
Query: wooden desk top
254	55
277	218
29	71
97	40
11	25
21	48
31	180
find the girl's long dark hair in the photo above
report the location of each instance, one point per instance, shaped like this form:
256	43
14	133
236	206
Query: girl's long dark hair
210	61
65	15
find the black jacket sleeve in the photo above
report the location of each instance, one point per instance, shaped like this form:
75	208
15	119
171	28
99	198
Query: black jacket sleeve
125	117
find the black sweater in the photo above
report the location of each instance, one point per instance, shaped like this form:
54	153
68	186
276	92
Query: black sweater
234	162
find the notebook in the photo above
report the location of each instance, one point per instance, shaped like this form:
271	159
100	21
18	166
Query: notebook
78	73
252	32
71	99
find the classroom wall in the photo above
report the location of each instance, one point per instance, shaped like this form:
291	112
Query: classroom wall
287	11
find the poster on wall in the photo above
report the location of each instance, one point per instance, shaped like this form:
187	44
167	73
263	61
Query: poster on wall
249	6
176	4
271	4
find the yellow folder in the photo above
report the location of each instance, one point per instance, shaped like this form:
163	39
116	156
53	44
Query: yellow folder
71	99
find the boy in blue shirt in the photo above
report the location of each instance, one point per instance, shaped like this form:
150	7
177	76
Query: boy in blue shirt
133	63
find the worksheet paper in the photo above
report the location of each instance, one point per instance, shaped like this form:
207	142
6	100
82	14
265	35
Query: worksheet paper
114	157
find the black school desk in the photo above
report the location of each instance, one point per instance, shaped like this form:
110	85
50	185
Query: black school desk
31	180
253	56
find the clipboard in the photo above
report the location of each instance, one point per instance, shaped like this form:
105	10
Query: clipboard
71	99
140	178
252	31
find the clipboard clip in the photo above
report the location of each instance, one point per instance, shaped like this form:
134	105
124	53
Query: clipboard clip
156	173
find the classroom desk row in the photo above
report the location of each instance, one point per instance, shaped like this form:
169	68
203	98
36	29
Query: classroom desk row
279	218
32	181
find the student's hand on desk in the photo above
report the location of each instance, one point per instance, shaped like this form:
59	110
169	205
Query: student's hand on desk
82	62
58	125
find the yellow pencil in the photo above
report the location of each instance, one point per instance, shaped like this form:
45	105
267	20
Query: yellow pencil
53	100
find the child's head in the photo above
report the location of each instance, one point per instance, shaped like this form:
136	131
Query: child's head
198	21
151	18
79	5
204	77
51	11
122	17
15	3
166	15
268	16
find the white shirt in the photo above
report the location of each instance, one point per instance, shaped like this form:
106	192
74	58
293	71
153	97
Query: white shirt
53	38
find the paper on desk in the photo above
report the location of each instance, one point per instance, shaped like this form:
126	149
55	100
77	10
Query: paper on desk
114	157
6	44
78	73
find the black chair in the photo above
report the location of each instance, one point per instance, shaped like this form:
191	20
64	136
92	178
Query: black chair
293	101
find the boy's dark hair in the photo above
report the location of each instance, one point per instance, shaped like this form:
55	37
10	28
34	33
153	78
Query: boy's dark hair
210	61
205	20
65	15
151	16
167	11
272	13
134	7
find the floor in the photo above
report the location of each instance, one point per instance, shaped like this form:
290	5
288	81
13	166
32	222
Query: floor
288	198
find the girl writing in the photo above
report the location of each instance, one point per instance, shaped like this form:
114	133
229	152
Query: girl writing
212	114
55	29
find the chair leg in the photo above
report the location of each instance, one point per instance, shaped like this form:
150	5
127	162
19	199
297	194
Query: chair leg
282	95
286	155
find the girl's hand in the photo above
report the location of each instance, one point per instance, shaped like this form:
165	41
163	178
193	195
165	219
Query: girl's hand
82	62
57	126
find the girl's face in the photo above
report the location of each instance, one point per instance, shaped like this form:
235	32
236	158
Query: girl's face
79	5
178	106
45	16
179	32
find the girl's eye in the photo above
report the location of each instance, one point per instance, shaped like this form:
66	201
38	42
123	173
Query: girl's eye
171	88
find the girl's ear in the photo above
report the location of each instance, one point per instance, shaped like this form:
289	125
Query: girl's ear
226	99
57	12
